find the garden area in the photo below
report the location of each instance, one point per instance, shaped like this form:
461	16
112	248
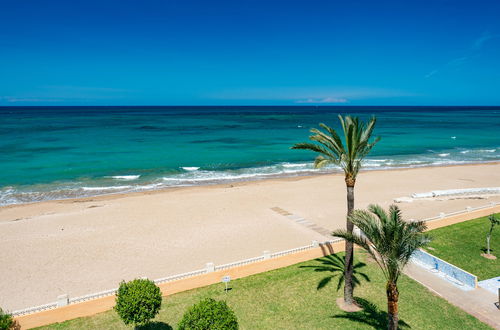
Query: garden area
463	243
289	298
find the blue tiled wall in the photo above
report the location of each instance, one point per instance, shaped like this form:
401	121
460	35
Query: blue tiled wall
450	270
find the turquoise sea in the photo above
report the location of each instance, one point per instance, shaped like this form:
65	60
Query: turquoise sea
65	152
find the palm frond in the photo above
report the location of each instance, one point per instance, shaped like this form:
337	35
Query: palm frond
347	153
387	237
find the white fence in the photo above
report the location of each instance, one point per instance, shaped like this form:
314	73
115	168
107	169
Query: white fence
466	210
210	267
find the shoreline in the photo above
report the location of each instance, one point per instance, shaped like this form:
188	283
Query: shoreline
114	195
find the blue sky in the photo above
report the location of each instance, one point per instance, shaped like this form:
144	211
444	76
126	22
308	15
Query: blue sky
249	52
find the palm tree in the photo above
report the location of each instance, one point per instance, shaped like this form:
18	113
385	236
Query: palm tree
391	241
493	222
331	150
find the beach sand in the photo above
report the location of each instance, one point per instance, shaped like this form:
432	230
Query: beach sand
88	245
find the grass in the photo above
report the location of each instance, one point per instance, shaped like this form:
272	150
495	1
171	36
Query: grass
461	244
288	298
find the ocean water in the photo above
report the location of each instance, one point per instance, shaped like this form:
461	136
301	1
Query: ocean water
65	152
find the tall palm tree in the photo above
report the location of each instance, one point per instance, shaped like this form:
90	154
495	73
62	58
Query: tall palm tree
391	241
331	150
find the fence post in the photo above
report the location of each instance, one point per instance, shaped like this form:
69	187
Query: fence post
62	300
315	243
210	267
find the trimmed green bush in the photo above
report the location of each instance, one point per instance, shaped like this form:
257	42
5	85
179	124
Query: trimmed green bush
6	320
138	301
209	314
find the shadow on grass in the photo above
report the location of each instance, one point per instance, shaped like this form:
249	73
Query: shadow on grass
335	265
485	250
370	315
154	326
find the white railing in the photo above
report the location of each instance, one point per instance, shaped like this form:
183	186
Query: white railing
36	309
239	263
180	276
92	296
466	210
210	267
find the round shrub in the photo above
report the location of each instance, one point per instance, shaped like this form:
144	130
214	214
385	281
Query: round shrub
6	321
138	301
209	314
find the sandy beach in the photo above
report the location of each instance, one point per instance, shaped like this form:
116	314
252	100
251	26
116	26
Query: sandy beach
88	245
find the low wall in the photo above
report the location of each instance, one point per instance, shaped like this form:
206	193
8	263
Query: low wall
458	192
460	216
208	277
451	272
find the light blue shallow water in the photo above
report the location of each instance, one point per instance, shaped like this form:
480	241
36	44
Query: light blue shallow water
63	152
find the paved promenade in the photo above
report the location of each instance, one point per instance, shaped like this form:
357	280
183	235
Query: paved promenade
478	302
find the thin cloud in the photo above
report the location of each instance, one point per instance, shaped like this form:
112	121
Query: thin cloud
430	74
70	88
324	100
307	95
72	94
473	50
478	44
13	99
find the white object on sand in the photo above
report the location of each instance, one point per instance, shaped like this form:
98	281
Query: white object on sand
455	192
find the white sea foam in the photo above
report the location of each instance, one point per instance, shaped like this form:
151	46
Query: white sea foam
486	150
453	137
105	188
150	186
291	165
126	177
204	176
194	176
190	168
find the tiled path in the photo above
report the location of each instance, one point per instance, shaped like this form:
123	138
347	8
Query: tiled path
479	302
311	225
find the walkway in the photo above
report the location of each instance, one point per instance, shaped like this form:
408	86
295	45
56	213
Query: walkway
301	221
478	302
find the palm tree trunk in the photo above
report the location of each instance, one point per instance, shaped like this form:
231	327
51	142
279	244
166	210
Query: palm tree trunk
349	250
392	305
488	244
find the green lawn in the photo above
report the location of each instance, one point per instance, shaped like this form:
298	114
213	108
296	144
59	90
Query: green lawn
287	298
462	244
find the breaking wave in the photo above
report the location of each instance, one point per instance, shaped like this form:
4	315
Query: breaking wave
192	176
